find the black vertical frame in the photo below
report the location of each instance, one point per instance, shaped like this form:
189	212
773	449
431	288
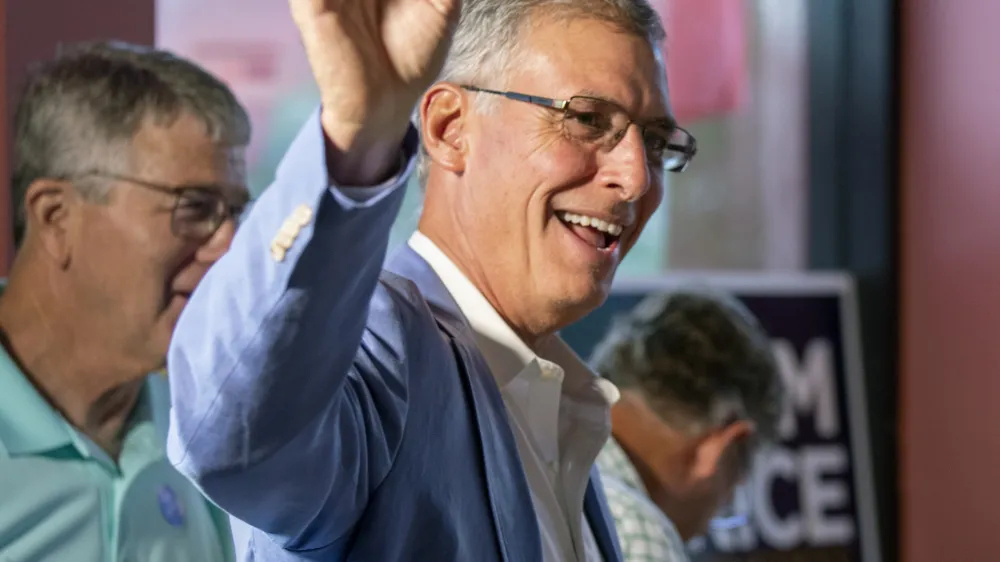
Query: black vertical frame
853	202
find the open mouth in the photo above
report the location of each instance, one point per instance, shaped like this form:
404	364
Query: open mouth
598	233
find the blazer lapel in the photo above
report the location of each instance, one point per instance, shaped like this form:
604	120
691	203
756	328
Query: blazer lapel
404	262
595	507
506	486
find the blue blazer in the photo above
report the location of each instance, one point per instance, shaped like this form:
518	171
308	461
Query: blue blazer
342	412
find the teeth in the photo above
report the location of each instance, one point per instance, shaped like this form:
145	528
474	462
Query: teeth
607	227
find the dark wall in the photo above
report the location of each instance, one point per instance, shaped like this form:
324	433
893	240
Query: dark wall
853	202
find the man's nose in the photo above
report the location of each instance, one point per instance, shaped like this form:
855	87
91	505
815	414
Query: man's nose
218	243
626	167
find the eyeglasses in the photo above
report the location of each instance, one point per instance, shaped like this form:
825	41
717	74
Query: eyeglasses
604	123
198	211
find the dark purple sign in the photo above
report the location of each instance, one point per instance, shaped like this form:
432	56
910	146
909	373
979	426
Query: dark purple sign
811	496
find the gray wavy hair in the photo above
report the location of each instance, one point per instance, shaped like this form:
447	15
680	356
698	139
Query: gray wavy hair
699	357
80	111
486	43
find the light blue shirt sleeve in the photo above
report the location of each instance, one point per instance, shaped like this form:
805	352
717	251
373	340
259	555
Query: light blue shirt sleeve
287	407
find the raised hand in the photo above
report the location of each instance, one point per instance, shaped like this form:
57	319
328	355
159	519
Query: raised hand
372	59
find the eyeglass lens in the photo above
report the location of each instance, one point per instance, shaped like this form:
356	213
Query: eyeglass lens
595	120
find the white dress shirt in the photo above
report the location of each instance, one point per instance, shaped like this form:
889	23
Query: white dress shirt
558	408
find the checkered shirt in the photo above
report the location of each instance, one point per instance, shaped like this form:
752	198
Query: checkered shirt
645	533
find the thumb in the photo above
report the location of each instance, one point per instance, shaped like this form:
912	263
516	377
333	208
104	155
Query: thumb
417	35
305	10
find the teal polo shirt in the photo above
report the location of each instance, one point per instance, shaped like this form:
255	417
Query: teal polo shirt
63	499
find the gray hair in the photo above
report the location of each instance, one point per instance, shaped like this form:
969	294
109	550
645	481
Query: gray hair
700	359
80	111
486	42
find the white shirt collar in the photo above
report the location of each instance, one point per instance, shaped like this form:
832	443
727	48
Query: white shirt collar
506	354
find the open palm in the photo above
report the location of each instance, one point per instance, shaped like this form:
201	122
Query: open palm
372	59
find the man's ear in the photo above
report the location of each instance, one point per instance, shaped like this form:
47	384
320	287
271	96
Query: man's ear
49	207
710	452
442	119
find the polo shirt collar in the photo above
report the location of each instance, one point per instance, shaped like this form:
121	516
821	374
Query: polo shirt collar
28	424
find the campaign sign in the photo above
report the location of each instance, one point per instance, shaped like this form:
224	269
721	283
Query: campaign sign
810	496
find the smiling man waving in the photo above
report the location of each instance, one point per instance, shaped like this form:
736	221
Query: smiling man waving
430	412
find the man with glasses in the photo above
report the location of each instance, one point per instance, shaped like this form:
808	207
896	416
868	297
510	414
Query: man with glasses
128	179
700	392
432	414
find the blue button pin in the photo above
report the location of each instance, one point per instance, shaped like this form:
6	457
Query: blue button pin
170	506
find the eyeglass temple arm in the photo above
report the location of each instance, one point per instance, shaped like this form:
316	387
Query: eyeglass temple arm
537	100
